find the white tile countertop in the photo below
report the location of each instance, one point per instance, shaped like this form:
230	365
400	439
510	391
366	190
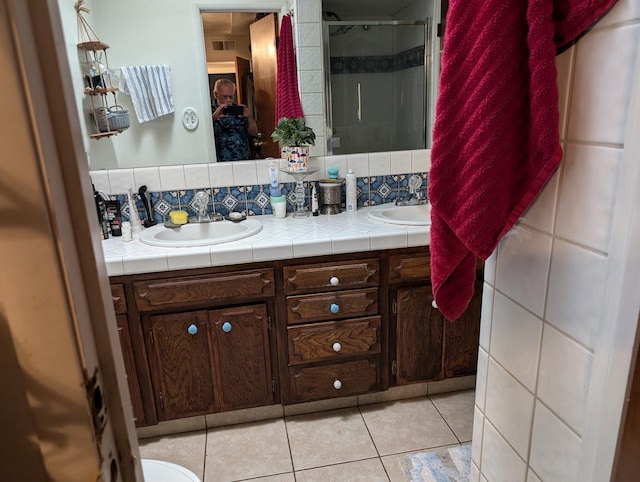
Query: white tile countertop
286	238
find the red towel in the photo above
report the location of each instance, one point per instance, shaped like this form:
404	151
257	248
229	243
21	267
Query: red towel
495	139
287	96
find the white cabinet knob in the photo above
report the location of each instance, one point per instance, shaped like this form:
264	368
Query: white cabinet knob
337	384
433	303
334	281
337	347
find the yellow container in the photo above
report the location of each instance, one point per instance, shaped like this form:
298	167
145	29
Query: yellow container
178	217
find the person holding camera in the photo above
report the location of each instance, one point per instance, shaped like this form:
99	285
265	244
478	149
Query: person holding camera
232	124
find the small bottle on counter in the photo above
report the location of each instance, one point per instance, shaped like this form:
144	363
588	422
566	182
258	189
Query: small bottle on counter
352	191
127	232
314	200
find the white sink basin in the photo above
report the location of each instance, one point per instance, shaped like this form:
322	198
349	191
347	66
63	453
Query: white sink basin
199	234
416	215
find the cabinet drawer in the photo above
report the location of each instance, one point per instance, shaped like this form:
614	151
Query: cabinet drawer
331	276
119	302
409	267
333	340
331	306
337	380
239	285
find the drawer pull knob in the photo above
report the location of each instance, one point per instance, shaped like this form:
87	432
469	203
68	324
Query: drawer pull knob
192	330
334	308
337	347
334	281
337	384
226	327
433	303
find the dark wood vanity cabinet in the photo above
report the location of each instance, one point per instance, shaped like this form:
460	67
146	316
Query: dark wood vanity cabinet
210	361
215	339
424	345
333	331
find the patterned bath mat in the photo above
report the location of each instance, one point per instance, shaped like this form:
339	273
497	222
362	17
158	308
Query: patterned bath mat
449	464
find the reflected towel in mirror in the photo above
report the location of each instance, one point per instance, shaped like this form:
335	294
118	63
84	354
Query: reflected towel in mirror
150	89
287	95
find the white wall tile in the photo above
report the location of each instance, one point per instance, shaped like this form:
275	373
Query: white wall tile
605	80
310	82
148	176
312	104
310	12
576	287
524	251
476	438
359	163
400	162
490	268
172	178
320	148
509	407
542	212
585	209
379	163
220	174
481	378
262	170
196	176
309	34
499	460
100	180
622	11
244	173
339	162
120	180
515	340
565	371
309	58
421	160
486	316
316	122
564	66
555	450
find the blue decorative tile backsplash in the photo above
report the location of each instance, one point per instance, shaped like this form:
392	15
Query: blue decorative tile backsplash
375	64
254	200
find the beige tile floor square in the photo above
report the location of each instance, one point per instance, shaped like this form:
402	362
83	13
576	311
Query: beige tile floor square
345	445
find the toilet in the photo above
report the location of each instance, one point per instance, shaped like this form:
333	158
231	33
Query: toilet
160	471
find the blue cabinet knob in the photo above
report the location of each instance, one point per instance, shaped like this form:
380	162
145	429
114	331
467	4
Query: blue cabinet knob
226	327
334	308
193	329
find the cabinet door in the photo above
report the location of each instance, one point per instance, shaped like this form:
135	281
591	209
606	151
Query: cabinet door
419	329
461	339
181	373
130	369
240	341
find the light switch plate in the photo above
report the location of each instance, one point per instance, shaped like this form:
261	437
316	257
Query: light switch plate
190	118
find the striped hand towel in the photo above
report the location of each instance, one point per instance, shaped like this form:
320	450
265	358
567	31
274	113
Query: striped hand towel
150	89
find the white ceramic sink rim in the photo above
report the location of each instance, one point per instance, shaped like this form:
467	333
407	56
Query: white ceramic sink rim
415	215
199	234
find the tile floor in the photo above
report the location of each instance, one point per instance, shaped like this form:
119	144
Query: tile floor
363	443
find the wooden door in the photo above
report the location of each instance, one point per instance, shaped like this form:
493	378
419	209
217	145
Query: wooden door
243	70
181	369
419	332
263	56
241	361
130	367
461	339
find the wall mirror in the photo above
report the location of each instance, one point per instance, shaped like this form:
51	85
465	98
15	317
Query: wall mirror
140	37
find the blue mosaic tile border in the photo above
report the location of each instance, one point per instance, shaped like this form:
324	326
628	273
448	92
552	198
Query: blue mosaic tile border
376	64
254	200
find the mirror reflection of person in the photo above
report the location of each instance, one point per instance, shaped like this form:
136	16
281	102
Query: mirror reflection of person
231	132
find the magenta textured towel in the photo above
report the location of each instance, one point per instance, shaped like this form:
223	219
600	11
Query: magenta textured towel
287	95
495	139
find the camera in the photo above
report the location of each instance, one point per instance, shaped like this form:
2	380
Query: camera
233	109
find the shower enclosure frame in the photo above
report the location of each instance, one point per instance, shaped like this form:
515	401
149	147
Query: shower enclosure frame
427	65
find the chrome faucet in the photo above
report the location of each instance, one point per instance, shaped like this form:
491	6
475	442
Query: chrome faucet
201	203
415	196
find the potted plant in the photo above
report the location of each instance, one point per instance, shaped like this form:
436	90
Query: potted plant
294	137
